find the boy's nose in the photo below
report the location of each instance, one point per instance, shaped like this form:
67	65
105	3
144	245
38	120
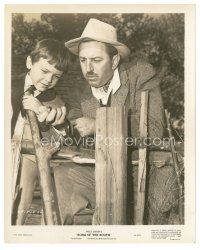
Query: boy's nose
49	78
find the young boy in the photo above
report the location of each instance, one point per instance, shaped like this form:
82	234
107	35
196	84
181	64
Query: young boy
46	64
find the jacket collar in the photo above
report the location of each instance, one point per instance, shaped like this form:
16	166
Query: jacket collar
119	98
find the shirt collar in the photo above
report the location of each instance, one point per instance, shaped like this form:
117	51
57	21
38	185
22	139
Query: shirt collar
114	85
28	83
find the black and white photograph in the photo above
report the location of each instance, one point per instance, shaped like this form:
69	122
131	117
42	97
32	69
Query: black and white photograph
97	117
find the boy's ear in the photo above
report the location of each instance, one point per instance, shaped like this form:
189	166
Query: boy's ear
115	61
28	62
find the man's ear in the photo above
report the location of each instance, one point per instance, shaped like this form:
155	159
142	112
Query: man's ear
115	61
29	62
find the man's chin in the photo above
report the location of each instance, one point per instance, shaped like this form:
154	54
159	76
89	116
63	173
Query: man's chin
95	84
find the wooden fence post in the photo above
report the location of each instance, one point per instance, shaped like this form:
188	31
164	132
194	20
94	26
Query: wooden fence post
139	216
111	166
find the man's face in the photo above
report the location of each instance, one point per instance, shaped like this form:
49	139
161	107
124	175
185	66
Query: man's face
44	75
96	64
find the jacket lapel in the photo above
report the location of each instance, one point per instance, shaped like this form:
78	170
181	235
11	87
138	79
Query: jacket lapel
90	103
119	98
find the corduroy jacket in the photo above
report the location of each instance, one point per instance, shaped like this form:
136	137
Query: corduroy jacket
134	78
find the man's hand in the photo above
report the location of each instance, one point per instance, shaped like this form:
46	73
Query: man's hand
31	103
85	126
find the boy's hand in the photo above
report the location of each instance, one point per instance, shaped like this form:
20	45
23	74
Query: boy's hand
43	113
31	103
56	116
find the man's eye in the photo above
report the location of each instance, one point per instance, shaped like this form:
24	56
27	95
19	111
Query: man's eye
44	71
82	60
97	60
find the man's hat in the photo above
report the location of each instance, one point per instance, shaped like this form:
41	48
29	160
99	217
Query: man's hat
101	32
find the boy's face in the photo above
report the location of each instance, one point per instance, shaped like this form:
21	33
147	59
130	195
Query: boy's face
44	75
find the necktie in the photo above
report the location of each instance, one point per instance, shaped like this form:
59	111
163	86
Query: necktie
29	91
108	102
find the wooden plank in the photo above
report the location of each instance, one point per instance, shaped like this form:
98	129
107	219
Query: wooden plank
158	157
111	166
16	144
69	152
142	161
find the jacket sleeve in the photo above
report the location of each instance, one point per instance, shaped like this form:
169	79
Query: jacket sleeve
74	107
75	102
147	79
74	113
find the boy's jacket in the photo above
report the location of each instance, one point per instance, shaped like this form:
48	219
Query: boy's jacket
48	98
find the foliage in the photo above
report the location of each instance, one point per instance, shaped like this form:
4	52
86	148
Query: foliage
158	39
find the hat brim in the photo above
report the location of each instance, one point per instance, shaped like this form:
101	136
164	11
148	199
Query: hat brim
73	45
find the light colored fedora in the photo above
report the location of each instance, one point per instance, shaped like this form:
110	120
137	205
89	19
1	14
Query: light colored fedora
101	32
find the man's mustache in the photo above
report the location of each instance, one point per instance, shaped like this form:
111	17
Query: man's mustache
91	75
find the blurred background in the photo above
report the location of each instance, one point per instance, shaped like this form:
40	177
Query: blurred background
154	38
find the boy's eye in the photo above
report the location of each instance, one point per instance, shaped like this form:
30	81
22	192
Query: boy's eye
44	71
57	77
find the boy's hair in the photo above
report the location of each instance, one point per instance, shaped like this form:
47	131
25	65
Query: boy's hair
52	50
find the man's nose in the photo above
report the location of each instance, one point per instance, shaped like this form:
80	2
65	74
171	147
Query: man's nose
89	66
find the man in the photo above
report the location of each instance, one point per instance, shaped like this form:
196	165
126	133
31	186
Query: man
110	83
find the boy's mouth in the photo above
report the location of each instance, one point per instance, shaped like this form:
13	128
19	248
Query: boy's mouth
44	85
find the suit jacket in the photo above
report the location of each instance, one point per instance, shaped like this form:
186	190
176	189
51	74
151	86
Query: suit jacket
134	79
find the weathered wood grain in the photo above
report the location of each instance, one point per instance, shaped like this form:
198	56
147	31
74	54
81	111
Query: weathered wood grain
111	166
142	161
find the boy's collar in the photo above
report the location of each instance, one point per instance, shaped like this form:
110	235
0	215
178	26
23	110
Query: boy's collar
28	83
